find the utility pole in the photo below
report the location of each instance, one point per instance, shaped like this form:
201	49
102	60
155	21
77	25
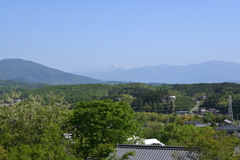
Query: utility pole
230	112
173	105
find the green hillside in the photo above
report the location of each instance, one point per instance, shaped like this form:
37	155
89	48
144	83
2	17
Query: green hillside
7	83
30	72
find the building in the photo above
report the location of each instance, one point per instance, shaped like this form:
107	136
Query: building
181	112
149	152
173	97
230	130
193	122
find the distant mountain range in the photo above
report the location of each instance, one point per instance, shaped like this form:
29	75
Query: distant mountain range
207	72
30	72
107	68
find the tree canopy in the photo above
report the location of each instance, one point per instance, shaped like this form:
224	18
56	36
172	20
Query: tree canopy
100	125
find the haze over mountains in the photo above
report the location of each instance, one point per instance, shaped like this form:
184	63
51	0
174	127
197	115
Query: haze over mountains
107	68
207	72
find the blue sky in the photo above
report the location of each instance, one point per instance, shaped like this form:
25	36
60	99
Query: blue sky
77	34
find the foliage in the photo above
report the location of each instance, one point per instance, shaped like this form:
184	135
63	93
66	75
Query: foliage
86	92
32	129
174	134
100	125
147	98
3	154
23	85
153	130
183	118
213	144
12	86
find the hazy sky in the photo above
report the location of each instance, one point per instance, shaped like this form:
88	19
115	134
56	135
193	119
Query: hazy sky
77	34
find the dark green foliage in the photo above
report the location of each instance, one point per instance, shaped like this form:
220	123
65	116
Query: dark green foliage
85	92
74	93
217	95
21	84
10	86
100	125
160	101
140	96
143	97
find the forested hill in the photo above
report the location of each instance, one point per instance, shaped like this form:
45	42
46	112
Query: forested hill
30	72
144	97
7	83
140	96
10	86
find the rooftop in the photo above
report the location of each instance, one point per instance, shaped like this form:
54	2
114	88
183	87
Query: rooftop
151	152
228	128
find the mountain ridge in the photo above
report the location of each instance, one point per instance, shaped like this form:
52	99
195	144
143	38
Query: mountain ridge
31	72
205	72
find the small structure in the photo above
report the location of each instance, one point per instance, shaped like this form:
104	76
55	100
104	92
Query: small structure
153	141
68	136
148	152
204	97
16	100
140	141
201	125
202	110
193	122
227	122
173	97
230	130
181	112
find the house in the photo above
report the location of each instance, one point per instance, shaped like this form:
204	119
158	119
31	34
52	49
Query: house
152	152
140	141
193	122
230	130
202	110
201	125
181	112
227	122
153	141
16	100
204	97
173	97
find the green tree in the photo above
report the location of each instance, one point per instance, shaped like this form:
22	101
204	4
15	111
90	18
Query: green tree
175	134
212	144
34	130
100	125
208	117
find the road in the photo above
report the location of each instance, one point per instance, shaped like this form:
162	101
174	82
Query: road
196	107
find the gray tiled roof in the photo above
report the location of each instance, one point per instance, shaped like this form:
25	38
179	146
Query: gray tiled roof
228	128
148	152
201	125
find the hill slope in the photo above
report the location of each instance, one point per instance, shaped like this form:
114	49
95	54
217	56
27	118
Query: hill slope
30	72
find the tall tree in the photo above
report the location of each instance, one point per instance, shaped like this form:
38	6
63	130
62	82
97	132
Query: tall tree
100	125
